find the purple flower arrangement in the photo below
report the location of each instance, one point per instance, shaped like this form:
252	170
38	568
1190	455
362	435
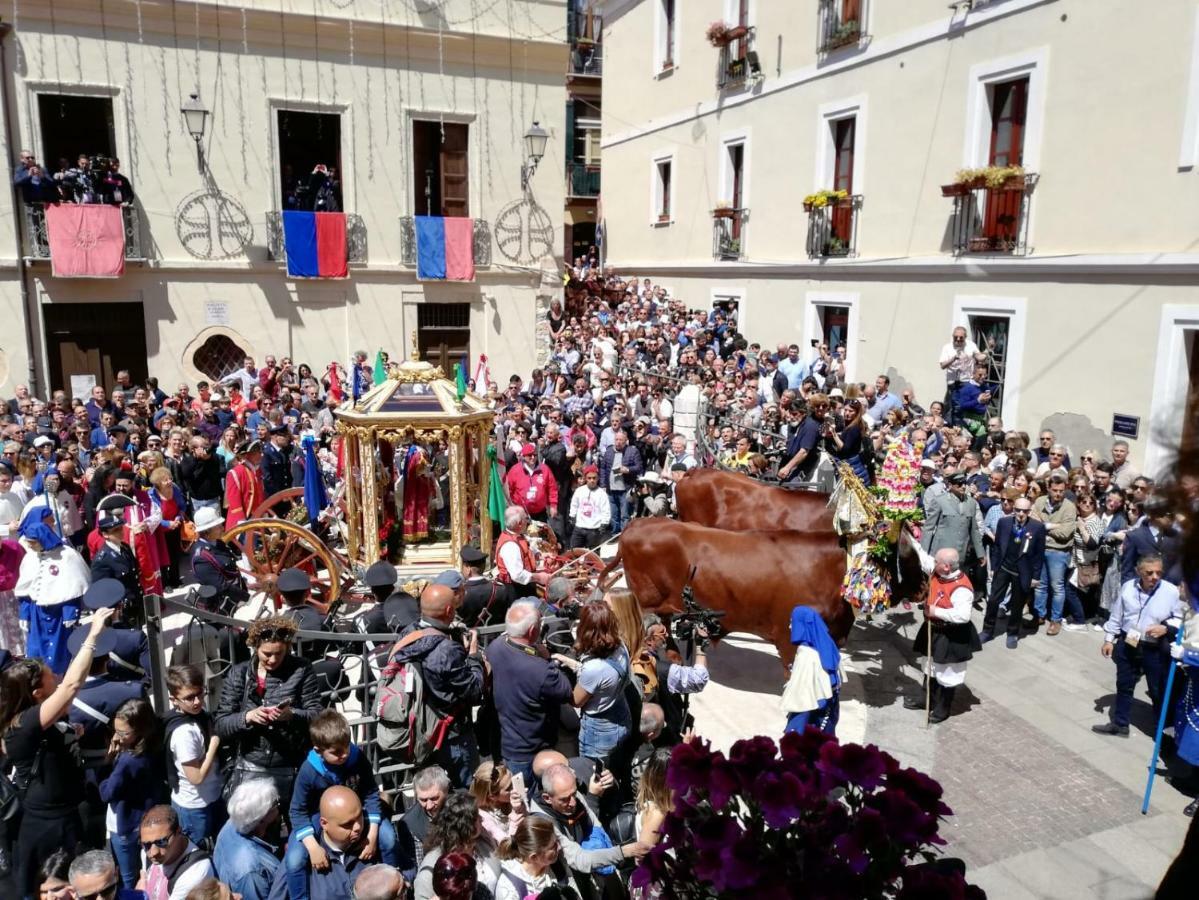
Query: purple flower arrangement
808	818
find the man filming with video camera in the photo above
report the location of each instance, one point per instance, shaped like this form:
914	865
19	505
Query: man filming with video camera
667	681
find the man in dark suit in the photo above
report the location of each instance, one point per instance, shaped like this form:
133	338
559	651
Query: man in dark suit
1020	553
276	462
484	600
1157	537
395	609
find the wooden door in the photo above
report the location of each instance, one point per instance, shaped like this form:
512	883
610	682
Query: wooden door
96	339
455	171
844	135
736	163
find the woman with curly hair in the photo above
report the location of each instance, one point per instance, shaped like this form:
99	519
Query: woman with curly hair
457	829
603	670
266	705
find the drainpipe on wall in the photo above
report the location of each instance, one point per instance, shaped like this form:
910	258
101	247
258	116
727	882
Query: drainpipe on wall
18	231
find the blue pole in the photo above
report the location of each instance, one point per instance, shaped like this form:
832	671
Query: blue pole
1161	726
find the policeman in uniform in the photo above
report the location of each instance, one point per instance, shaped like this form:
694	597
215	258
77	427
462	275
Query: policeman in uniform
296	587
214	563
276	460
395	609
485	601
115	558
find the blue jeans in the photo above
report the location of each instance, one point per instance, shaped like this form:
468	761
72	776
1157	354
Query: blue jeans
620	513
601	733
127	850
1053	576
201	823
295	860
459	756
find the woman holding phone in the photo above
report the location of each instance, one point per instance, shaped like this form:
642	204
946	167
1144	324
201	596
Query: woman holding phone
266	705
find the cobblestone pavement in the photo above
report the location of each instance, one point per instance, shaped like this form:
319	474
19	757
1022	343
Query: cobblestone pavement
1042	806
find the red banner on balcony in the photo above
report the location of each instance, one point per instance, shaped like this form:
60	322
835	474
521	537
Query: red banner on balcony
87	240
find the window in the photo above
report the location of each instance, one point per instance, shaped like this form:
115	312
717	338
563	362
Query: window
844	133
217	357
662	189
443	334
736	179
310	160
441	180
1009	106
668	33
587	141
73	126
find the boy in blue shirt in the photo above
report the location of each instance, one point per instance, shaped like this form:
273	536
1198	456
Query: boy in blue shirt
333	760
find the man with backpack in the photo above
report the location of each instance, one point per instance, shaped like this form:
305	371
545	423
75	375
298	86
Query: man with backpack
428	688
176	865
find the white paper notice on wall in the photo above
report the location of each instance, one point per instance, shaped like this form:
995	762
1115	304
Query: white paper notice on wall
81	386
216	313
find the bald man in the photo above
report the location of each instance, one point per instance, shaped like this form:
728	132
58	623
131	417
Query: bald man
453	679
379	882
342	835
954	637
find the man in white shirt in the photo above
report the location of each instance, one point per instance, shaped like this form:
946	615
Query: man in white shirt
173	864
590	511
957	361
514	558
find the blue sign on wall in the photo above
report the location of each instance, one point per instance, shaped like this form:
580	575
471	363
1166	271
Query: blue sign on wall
1125	426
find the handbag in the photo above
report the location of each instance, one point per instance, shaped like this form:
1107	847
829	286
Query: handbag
1088	574
10	800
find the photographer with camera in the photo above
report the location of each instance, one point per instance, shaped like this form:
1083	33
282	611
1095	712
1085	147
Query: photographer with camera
79	185
667	682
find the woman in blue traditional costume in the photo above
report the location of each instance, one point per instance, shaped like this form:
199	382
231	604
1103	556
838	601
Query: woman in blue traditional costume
1186	651
52	578
812	695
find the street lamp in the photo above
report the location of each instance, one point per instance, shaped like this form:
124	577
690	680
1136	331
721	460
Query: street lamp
195	116
535	140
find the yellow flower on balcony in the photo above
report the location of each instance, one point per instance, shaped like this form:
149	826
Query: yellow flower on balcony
821	199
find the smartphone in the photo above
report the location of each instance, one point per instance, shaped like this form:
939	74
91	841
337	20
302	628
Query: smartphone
599	767
518	785
284	705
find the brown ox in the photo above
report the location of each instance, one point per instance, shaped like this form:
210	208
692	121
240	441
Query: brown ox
756	577
736	502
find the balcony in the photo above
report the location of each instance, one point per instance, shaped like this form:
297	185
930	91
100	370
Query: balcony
584	30
728	231
991	218
37	241
582	180
738	64
480	243
833	227
355	238
842	25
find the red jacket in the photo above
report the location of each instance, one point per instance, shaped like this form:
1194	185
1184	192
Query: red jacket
940	591
536	492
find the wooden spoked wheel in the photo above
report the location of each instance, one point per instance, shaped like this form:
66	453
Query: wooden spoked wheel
276	504
271	545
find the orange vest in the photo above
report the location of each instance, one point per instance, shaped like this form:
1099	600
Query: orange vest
940	591
526	555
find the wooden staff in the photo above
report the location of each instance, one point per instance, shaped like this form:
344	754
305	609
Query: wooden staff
928	682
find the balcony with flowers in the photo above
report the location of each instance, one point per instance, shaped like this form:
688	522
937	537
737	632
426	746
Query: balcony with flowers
738	64
728	231
832	223
841	25
991	209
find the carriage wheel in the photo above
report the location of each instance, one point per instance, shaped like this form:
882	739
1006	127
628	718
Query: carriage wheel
273	505
271	545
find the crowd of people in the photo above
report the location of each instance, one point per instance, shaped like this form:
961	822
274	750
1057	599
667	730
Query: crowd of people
93	179
548	773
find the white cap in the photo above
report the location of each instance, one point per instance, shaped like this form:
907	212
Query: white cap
41	440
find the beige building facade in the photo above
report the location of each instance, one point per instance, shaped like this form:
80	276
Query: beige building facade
1080	268
421	107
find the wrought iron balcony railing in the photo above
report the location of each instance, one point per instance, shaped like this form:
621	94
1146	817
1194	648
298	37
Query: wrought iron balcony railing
481	242
833	228
582	180
355	237
738	63
728	233
991	219
586	59
37	241
842	24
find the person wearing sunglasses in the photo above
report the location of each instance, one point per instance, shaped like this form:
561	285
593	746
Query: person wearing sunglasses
92	876
175	864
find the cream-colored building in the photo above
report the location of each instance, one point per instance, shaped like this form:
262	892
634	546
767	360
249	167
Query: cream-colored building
421	106
1083	271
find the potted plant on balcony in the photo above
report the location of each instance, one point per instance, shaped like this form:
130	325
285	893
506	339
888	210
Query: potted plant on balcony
721	34
849	32
993	177
724	210
823	198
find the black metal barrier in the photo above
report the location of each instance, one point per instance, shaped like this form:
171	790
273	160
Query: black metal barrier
215	643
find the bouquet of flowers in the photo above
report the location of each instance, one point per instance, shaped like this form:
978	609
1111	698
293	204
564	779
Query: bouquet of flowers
811	818
898	478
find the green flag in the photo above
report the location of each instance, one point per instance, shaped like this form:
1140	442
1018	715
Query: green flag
461	378
380	369
496	504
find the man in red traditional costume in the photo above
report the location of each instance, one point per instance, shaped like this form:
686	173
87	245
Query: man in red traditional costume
514	558
954	637
243	484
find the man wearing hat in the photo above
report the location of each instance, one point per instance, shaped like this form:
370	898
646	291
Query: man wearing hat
295	586
243	484
129	656
276	460
952	520
102	693
114	559
214	562
532	486
484	600
395	609
590	511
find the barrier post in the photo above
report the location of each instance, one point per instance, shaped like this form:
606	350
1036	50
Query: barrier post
158	664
